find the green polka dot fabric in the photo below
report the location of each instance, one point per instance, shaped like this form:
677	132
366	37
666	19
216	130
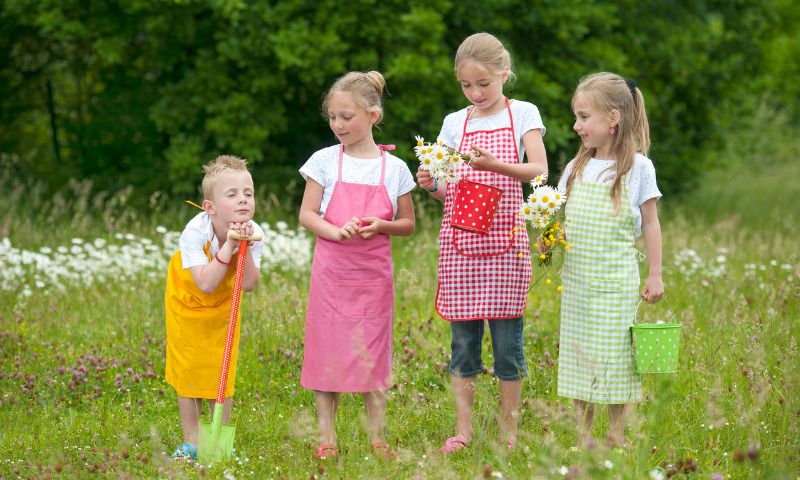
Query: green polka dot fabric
656	347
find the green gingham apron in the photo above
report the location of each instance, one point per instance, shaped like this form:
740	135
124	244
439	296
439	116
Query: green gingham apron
601	289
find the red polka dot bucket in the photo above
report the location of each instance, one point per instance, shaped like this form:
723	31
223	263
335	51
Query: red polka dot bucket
475	206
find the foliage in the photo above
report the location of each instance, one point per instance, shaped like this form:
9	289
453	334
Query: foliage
81	370
142	92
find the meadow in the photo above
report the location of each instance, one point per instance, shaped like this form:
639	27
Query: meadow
82	341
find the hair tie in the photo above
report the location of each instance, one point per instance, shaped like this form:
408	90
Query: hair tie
632	87
386	147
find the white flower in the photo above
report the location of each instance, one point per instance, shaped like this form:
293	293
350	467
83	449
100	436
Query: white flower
563	470
527	212
656	475
608	464
161	229
539	180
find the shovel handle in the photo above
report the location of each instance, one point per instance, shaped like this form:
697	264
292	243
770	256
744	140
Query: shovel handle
237	296
234	235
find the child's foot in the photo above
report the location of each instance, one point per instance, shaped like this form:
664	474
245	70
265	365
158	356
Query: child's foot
453	444
186	452
326	451
617	442
383	450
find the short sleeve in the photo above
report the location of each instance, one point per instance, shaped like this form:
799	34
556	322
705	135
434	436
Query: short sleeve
562	182
258	247
314	168
450	132
648	188
192	244
405	180
529	118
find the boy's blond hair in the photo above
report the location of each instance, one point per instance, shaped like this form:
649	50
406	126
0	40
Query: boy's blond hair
216	167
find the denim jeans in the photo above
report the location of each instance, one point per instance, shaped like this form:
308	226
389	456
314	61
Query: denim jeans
465	345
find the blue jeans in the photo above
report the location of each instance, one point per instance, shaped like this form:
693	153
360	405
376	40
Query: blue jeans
465	345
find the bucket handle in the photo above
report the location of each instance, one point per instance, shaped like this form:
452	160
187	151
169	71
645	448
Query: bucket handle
673	317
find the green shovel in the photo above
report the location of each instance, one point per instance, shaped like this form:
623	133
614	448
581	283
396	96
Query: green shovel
216	440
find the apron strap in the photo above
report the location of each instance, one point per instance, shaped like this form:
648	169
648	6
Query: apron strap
382	148
511	120
341	156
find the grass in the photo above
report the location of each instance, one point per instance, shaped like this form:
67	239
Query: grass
81	370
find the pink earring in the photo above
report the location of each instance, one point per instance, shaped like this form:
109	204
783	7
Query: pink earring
612	131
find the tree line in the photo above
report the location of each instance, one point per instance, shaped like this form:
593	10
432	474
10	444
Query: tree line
142	92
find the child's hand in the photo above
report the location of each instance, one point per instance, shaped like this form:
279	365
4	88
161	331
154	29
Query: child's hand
483	159
653	289
424	179
244	229
368	227
349	229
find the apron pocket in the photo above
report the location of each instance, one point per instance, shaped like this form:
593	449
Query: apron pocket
357	299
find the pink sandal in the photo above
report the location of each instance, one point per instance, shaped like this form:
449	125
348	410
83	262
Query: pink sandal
453	444
383	450
326	451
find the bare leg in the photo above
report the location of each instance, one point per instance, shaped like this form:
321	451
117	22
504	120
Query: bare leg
464	391
375	403
189	409
327	402
584	414
226	409
617	414
510	393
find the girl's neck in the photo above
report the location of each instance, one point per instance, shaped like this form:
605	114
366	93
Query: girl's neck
366	148
604	153
492	109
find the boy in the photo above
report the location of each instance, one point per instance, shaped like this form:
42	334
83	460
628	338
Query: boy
200	289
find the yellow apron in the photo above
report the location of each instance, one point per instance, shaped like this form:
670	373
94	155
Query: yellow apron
197	323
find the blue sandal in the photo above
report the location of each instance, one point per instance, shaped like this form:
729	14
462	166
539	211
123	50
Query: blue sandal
187	451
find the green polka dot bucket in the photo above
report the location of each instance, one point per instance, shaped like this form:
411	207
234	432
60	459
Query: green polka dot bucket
656	345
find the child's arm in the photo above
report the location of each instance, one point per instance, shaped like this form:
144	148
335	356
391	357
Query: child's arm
426	181
311	221
208	277
251	271
651	228
524	172
402	225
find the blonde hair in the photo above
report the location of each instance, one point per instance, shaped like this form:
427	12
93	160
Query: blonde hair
366	88
606	92
217	167
488	52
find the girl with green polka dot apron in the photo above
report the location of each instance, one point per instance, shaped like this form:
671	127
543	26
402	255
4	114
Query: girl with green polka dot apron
598	305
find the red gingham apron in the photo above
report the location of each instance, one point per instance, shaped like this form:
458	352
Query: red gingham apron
483	276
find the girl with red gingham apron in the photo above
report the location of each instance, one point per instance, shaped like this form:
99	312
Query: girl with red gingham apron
485	276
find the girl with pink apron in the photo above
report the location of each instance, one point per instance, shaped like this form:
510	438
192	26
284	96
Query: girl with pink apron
348	341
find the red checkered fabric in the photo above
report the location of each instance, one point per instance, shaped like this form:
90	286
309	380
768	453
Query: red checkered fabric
483	275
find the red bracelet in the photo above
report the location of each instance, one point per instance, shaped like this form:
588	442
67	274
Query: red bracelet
216	255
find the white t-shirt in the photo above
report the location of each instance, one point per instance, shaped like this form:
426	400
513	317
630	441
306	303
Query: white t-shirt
526	118
198	232
323	168
641	181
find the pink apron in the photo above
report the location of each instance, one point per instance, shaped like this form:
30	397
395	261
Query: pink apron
483	276
348	340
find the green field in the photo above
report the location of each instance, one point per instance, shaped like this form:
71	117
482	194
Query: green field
82	393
